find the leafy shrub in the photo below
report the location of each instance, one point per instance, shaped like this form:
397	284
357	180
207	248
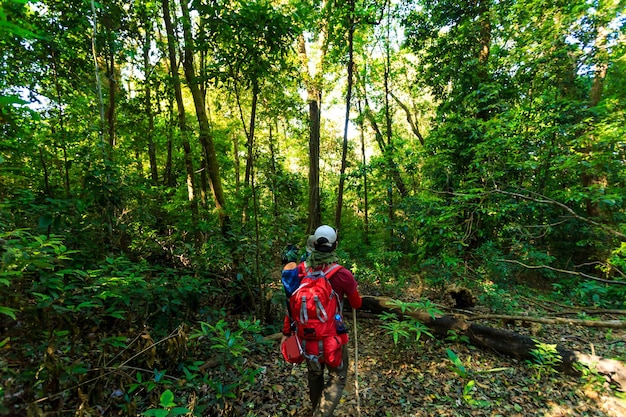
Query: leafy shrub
408	327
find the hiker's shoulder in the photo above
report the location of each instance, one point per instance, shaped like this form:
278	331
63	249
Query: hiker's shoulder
342	272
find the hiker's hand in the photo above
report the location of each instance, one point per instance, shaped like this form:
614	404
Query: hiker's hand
282	340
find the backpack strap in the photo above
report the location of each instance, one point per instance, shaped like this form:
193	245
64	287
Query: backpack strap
326	273
310	357
322	315
331	270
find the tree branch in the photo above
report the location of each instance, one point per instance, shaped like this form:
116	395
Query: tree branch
546	200
564	271
409	118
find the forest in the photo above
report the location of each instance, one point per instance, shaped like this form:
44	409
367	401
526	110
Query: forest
157	157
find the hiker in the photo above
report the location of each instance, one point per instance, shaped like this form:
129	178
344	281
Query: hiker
324	398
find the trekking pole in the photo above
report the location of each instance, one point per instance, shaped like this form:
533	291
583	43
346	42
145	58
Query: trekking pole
356	365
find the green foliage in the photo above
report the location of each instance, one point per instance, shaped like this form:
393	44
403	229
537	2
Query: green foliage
168	407
455	337
229	348
590	377
468	388
458	368
466	373
403	329
425	305
545	359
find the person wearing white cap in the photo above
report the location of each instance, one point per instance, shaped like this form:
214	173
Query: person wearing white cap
324	399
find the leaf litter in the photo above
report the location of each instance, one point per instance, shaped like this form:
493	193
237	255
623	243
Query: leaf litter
419	379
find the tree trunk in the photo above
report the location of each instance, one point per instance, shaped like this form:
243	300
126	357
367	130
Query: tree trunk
389	145
57	87
409	119
314	98
273	176
205	136
182	122
592	179
249	140
168	180
484	47
380	141
46	176
148	99
250	134
112	82
502	341
344	151
365	185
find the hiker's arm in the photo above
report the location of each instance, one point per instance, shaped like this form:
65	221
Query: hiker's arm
286	330
354	299
287	326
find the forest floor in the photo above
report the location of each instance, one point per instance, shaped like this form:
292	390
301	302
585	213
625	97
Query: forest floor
419	379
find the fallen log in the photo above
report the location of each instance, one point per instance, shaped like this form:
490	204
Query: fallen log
502	341
611	324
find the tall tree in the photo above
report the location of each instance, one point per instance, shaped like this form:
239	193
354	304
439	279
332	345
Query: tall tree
314	100
205	135
313	76
180	105
147	22
344	153
248	42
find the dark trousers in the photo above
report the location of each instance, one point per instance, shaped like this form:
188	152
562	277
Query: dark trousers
325	397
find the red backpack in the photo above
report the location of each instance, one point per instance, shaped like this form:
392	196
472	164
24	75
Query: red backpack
313	307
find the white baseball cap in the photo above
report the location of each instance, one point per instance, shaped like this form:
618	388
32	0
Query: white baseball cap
325	238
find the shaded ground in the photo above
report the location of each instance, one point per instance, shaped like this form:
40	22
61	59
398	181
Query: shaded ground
420	380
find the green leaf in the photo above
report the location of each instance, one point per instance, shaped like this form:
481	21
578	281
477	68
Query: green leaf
11	99
179	411
156	412
8	312
167	399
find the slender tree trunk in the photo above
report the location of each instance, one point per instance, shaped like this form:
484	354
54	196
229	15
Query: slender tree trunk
250	134
364	170
204	183
380	141
46	176
593	178
106	151
237	162
344	152
182	122
112	83
389	148
314	99
139	162
205	136
315	209
249	138
273	175
66	164
484	20
602	65
409	119
257	250
167	172
148	99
